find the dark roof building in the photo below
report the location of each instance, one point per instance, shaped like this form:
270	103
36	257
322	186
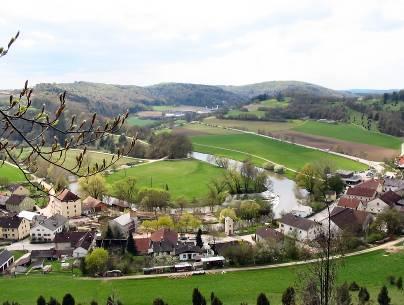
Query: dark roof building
265	233
350	220
142	245
67	196
6	259
166	235
391	198
10	222
297	222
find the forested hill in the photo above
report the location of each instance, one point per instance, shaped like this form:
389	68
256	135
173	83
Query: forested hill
108	99
288	88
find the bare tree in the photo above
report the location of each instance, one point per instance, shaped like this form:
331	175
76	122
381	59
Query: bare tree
41	137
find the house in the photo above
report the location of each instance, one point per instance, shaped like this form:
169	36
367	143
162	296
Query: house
3	198
142	245
123	224
298	227
6	260
66	204
400	162
14	228
163	242
349	177
187	251
386	201
32	217
268	234
91	206
393	184
75	244
349	203
45	230
362	194
17	189
221	247
17	203
116	204
348	220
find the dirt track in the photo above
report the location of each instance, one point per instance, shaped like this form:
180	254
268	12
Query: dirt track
366	151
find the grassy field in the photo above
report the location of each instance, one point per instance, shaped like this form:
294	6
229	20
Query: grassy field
349	132
236	112
185	177
271	103
254	126
289	155
13	174
136	121
369	270
199	129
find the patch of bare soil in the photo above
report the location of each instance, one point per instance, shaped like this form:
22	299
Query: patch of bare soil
365	151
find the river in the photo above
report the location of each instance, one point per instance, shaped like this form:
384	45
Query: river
290	195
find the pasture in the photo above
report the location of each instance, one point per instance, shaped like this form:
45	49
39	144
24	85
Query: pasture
289	155
12	173
136	121
369	270
186	178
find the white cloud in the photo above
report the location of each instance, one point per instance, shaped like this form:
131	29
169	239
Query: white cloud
339	44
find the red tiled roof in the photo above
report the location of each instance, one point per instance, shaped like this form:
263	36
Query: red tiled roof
142	245
165	235
349	203
370	184
362	192
66	196
91	202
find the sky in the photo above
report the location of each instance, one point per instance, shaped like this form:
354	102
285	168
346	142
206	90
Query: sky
338	44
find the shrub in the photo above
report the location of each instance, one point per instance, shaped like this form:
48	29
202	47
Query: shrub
353	286
269	166
279	169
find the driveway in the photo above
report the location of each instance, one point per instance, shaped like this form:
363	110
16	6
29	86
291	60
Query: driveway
25	245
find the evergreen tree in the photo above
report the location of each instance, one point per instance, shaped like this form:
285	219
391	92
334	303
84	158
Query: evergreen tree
109	233
68	299
130	245
262	299
93	302
342	295
216	301
53	301
383	297
159	301
363	296
196	297
399	283
41	301
212	296
199	241
289	296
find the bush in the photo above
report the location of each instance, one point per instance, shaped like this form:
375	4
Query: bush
279	169
372	237
269	166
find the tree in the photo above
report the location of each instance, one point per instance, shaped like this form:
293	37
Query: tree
43	130
159	301
399	283
198	238
188	222
41	301
216	301
97	261
152	199
68	299
93	302
126	189
343	296
217	193
227	212
249	210
335	184
181	202
165	221
289	296
363	296
262	299
198	298
53	301
306	178
131	245
383	297
389	219
94	186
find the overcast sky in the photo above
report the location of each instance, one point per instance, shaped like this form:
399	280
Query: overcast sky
338	44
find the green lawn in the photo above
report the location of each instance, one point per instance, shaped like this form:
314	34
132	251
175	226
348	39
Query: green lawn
289	155
186	177
136	121
12	173
369	270
349	132
236	112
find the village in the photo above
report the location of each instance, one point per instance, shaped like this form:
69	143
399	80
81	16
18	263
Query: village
62	234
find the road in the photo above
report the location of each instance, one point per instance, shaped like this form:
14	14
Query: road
25	245
381	247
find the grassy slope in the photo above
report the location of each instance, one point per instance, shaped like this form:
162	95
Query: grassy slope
289	155
185	177
136	121
349	132
368	270
12	173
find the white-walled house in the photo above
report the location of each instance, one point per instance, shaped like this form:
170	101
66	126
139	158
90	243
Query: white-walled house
66	204
45	230
299	227
74	243
378	205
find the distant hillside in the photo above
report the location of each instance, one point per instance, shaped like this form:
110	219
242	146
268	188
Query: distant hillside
287	88
371	91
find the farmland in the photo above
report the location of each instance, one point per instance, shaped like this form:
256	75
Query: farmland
11	173
136	121
349	132
289	155
369	270
185	177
